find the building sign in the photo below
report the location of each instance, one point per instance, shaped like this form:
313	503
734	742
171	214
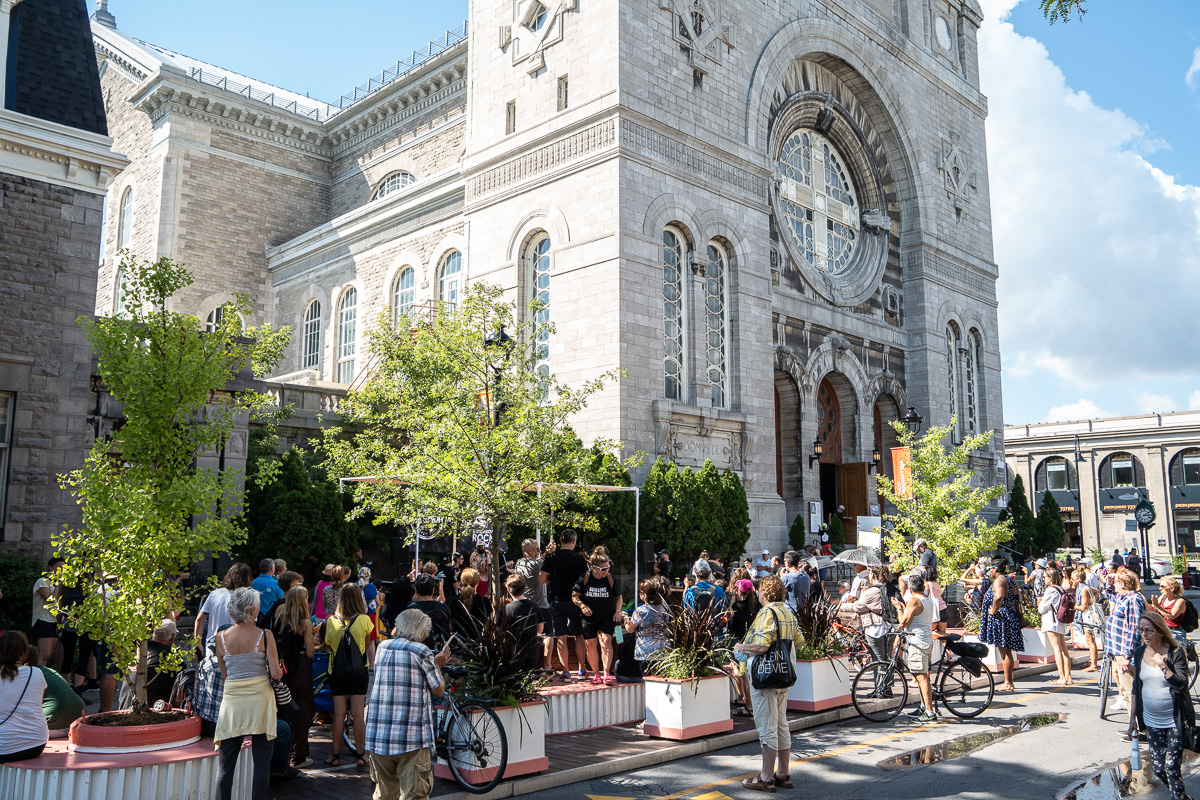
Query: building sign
1185	497
1068	500
1124	498
901	460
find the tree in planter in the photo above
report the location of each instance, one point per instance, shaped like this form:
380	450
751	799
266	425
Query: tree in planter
148	510
1049	525
461	422
837	533
1024	525
797	537
944	507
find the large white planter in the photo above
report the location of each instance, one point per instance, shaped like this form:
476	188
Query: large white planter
687	709
525	730
820	685
992	659
1037	648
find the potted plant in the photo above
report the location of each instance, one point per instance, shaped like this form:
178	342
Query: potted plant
687	694
822	668
496	674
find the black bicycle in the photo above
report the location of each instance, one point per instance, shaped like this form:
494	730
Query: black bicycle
959	679
470	738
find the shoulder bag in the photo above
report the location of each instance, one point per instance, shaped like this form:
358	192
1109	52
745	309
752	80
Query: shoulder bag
17	704
774	669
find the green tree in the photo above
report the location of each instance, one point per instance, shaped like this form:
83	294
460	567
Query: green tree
797	534
1024	526
710	528
687	514
1056	10
656	507
148	510
837	533
944	506
461	422
736	508
1049	524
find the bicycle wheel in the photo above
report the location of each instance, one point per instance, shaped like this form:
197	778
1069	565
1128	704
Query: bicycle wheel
476	748
959	694
879	691
1193	664
1105	682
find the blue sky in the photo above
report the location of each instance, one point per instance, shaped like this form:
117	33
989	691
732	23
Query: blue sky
1092	154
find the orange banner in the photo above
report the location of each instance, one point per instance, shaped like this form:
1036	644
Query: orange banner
901	472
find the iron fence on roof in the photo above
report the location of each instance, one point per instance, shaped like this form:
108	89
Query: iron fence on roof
221	81
404	66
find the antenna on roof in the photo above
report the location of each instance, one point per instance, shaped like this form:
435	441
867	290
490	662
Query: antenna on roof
102	16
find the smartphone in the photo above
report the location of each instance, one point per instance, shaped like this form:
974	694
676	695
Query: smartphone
454	637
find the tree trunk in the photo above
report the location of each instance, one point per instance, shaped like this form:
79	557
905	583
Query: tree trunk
140	679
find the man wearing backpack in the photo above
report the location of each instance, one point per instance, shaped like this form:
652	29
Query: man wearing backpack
705	594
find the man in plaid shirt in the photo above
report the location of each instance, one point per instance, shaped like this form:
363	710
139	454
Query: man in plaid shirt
1120	631
399	730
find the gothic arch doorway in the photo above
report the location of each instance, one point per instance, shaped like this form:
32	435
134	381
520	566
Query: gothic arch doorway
788	475
842	474
885	438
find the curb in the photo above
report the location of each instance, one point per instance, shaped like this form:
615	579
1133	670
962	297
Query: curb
555	780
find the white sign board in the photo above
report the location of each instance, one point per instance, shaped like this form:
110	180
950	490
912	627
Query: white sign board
867	535
815	512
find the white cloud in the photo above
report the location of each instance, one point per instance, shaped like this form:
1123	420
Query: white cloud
1194	401
1098	251
1194	70
1151	403
1079	410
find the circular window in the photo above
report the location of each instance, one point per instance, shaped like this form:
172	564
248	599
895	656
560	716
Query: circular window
818	201
941	29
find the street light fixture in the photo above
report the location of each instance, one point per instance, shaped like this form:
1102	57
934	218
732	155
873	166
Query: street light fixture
817	452
876	460
912	420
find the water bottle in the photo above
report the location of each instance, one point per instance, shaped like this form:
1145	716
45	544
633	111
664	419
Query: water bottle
1135	758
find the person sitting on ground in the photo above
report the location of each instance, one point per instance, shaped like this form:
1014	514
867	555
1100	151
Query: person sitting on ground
424	588
22	688
705	595
61	705
916	615
523	620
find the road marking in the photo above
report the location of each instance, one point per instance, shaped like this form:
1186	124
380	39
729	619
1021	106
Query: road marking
606	797
688	793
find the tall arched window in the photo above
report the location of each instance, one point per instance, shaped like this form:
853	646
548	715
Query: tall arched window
974	350
119	294
673	313
450	278
125	220
537	268
312	336
716	323
953	340
215	318
403	292
347	321
392	184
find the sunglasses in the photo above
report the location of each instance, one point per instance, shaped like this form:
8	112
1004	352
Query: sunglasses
600	569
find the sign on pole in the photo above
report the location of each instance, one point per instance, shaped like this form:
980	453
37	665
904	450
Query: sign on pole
902	471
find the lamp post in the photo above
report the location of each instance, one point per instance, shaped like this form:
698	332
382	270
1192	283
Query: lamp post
876	460
501	340
817	452
912	420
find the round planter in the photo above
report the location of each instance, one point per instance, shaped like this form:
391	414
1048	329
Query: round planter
133	739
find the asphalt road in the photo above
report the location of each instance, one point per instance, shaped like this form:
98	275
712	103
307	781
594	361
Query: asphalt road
847	761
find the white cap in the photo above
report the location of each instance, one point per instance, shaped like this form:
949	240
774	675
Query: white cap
766	552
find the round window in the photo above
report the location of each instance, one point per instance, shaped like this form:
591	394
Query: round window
942	31
818	201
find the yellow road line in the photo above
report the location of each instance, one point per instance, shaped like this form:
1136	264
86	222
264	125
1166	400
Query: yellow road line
689	792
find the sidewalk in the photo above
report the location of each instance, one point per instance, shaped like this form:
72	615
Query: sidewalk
573	757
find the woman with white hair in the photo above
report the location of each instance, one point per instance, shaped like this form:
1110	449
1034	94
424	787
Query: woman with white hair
247	659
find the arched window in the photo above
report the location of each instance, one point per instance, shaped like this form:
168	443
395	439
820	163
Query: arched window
1121	469
119	294
347	321
125	220
953	340
312	336
450	278
537	268
974	350
403	292
215	318
392	184
673	313
818	200
716	323
1055	474
1185	468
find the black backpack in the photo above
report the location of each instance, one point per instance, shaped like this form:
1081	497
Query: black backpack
703	598
1189	620
889	613
348	661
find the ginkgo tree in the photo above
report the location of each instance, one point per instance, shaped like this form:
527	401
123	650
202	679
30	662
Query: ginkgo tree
942	506
459	419
147	510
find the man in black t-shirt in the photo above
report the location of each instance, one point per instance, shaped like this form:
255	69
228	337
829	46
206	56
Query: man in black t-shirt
560	571
523	620
424	588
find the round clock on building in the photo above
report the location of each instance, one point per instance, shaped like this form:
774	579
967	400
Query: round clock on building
1144	513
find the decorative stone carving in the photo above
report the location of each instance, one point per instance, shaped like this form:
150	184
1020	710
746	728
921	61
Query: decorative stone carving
958	178
698	30
536	25
876	221
689	436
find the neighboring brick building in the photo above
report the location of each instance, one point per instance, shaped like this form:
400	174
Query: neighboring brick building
55	165
774	217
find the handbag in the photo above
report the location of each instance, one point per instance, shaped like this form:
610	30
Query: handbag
774	669
283	695
1191	738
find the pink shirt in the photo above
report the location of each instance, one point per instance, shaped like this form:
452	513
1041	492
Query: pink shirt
318	606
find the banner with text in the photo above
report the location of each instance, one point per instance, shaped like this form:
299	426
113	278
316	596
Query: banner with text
901	471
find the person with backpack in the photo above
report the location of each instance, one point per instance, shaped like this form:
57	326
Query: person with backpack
599	601
1057	607
1173	608
705	595
351	652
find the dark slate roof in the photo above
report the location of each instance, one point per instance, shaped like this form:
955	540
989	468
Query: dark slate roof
52	73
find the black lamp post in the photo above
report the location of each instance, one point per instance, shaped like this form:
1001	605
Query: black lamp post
496	339
912	420
817	452
876	460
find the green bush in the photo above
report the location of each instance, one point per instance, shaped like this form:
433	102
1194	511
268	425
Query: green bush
19	574
797	534
837	534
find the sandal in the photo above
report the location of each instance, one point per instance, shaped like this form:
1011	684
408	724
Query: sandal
334	760
597	679
361	758
784	781
609	680
758	784
742	712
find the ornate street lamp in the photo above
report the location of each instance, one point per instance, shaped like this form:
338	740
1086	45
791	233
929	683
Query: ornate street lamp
912	420
817	452
876	460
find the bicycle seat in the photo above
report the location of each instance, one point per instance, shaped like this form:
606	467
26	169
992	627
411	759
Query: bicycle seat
948	637
455	670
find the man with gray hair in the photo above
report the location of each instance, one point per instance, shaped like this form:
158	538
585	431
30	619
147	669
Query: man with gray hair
529	567
399	729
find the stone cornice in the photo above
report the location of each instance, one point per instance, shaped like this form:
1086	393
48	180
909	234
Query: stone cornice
131	68
57	154
6	6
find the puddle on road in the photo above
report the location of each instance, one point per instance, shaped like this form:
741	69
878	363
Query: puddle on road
963	745
1120	781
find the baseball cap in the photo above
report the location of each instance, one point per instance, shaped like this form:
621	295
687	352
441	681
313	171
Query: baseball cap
920	542
745	585
766	552
661	552
1041	562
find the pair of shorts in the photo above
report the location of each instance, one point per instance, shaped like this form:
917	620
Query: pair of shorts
547	619
917	658
341	686
43	630
595	625
104	661
566	618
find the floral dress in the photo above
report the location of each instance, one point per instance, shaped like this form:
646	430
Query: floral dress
1002	629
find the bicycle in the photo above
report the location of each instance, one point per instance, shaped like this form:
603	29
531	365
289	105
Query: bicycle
853	644
470	738
879	685
1106	677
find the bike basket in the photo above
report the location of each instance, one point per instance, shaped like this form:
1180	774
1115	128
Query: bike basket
968	649
972	665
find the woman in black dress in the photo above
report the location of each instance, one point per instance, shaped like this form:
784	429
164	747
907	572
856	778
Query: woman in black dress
294	641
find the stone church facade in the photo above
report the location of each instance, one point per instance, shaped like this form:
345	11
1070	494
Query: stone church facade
773	216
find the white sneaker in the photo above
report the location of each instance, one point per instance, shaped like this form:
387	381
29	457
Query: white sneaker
1120	705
